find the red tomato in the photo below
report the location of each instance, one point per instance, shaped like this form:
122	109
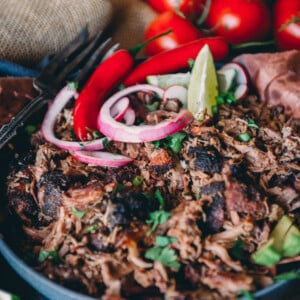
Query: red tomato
287	24
239	21
192	9
183	31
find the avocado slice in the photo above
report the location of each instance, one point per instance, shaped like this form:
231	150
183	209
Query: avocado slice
280	231
291	243
266	255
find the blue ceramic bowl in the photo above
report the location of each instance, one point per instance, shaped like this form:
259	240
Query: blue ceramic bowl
50	290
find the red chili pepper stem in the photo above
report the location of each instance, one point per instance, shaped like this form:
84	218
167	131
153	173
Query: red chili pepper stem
252	44
135	49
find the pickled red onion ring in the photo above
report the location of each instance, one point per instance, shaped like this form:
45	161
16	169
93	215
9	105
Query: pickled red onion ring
121	132
48	124
102	158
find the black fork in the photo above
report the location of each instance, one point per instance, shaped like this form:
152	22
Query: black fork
79	54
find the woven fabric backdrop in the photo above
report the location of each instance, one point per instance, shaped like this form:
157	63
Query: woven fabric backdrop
32	29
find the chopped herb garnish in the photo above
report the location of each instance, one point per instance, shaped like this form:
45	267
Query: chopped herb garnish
172	142
95	133
156	218
244	137
45	254
246	294
220	100
251	123
106	142
215	109
152	107
225	98
79	214
230	98
121	86
92	228
191	62
163	241
287	276
120	187
72	86
164	255
160	199
137	180
30	129
82	147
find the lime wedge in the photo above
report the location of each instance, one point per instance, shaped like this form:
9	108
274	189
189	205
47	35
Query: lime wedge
203	87
167	80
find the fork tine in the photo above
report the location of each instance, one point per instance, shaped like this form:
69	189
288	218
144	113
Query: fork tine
84	56
94	60
59	59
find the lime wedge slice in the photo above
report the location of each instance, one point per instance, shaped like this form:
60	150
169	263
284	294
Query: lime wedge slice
203	87
167	80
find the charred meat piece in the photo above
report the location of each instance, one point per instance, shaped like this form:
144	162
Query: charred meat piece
215	208
130	205
49	193
24	206
245	199
206	159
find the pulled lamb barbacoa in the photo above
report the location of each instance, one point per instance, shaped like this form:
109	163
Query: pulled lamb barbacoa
179	226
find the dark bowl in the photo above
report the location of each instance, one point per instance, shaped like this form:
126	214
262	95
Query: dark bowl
51	290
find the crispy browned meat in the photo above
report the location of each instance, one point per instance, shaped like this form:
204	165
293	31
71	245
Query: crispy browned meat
218	190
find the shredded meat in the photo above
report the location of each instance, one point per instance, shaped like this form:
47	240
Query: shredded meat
215	192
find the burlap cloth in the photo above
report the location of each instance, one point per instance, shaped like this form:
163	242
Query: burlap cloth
32	29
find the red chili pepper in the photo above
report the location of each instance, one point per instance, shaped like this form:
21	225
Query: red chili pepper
105	78
178	58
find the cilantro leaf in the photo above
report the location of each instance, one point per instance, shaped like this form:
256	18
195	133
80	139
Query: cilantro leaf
45	254
160	199
157	217
175	141
251	123
92	228
166	256
172	142
163	241
153	253
79	214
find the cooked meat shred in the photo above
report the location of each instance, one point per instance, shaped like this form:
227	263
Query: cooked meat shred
101	222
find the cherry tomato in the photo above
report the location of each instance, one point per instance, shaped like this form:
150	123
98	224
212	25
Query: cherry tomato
192	9
239	21
183	31
287	24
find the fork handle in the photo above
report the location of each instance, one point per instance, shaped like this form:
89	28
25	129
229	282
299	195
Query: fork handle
9	130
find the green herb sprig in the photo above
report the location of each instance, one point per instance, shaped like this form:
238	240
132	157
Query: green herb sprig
172	142
78	213
162	253
159	216
45	254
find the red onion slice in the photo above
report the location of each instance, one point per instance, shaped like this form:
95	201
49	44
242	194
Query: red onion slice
48	124
129	116
119	109
143	133
101	158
